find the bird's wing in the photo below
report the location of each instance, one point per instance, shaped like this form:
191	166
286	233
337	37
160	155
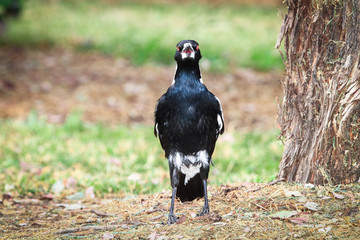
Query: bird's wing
159	115
220	118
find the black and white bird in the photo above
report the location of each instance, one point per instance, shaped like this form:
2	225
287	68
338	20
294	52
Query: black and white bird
188	121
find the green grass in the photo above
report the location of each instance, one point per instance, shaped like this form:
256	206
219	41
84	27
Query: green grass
128	159
229	35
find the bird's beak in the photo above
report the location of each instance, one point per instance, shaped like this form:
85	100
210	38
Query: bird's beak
188	51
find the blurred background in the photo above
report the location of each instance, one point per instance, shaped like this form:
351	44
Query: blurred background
79	81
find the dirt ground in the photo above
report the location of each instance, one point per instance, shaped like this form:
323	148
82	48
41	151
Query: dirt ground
244	211
55	82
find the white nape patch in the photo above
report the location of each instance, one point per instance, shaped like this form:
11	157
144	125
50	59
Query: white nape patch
197	160
190	171
201	80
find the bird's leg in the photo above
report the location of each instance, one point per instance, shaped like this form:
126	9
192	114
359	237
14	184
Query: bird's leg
172	218
206	208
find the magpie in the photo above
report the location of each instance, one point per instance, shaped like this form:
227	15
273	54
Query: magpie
188	121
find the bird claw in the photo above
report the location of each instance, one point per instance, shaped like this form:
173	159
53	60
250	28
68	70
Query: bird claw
172	219
205	210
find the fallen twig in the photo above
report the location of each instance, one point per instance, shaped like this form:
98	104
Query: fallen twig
97	228
157	217
99	213
158	207
259	206
86	228
155	210
269	184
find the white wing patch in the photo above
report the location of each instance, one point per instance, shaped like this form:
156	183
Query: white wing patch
156	128
173	81
220	118
220	122
203	157
175	159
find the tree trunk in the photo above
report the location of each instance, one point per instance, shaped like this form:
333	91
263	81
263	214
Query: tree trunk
320	113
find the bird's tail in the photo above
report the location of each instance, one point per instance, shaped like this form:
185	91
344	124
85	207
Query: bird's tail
192	189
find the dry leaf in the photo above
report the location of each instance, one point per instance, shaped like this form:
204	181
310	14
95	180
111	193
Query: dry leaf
309	186
192	214
283	214
324	230
75	206
76	196
338	196
181	219
38	224
219	223
247	229
350	195
48	196
22	223
313	206
89	193
231	213
70	183
57	187
213	217
108	236
299	220
292	193
153	236
302	199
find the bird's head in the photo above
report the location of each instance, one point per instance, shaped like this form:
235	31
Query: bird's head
187	50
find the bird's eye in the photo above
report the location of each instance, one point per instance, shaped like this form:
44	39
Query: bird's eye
178	49
197	47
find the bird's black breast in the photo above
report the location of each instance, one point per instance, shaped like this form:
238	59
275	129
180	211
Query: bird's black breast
187	120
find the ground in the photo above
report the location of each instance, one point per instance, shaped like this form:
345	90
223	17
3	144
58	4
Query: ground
55	82
244	211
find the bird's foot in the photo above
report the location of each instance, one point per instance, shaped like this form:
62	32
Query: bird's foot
204	211
172	219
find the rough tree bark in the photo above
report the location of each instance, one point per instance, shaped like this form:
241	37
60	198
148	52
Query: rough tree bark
320	112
